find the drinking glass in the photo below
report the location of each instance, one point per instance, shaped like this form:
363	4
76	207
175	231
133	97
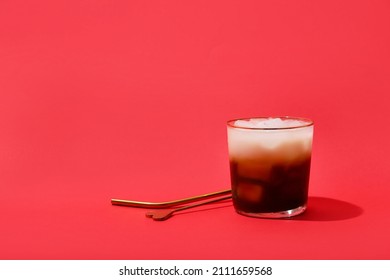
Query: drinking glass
270	165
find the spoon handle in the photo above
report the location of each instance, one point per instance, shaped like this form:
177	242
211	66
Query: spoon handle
200	203
167	204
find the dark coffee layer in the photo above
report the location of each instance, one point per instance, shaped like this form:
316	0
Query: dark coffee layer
278	187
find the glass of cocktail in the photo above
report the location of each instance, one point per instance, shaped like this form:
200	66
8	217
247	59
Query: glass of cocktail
270	165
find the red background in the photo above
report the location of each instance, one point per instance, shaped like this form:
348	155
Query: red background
129	99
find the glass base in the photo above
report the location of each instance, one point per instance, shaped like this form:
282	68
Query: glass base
275	215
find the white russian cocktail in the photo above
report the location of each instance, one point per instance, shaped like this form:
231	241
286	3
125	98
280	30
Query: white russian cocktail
270	165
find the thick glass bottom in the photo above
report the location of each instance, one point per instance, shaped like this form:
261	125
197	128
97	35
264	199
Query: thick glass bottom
275	215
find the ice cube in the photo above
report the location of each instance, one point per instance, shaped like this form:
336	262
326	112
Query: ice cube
250	192
257	170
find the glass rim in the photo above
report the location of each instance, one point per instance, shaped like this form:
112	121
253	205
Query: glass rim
307	123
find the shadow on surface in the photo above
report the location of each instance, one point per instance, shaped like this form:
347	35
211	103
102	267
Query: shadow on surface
329	209
319	209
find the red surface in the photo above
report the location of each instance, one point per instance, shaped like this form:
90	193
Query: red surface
129	99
